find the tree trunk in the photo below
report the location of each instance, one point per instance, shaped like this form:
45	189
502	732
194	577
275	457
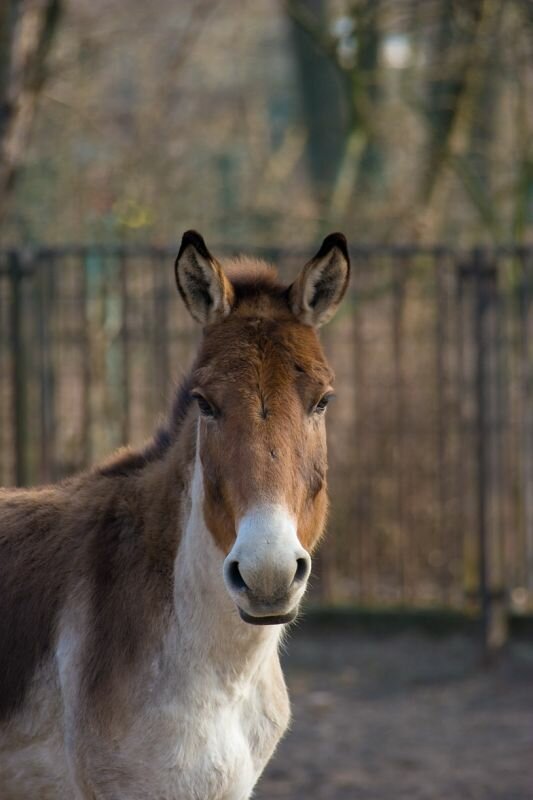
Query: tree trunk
322	96
27	28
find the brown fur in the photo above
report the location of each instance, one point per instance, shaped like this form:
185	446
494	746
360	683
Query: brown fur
265	395
116	528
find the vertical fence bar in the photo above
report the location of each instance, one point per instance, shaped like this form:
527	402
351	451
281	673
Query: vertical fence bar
399	280
125	347
468	457
491	578
442	427
459	461
44	279
455	525
527	412
86	355
160	327
18	372
481	453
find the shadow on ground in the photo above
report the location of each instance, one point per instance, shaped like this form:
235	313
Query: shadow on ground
405	716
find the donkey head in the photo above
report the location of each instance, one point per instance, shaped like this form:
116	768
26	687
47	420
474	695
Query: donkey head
262	385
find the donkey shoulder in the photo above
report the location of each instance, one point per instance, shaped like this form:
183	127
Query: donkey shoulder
33	561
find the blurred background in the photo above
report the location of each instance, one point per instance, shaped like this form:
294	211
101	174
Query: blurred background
265	125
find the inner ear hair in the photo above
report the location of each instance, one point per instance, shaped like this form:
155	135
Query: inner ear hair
197	282
205	290
318	290
323	288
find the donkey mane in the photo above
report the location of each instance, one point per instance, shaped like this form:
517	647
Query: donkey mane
251	277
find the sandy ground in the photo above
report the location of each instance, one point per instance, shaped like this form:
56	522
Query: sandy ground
403	717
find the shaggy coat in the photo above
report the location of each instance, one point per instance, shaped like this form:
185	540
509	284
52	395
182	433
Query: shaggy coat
142	602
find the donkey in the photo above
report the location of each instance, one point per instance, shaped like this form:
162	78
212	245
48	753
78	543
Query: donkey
142	602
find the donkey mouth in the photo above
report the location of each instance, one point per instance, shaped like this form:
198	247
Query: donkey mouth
273	619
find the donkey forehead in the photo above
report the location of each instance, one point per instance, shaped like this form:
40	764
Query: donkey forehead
259	351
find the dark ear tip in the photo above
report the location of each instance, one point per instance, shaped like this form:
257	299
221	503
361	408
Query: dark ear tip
334	240
196	240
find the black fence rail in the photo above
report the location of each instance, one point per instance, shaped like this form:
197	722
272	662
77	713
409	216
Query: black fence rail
431	438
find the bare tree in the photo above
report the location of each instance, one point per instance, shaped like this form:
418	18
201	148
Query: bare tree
27	28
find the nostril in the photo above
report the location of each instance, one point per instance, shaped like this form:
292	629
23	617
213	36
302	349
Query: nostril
302	567
235	577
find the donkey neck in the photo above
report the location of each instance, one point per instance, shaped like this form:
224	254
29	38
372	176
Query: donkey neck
209	624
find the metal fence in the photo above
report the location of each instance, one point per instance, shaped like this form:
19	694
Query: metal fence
431	437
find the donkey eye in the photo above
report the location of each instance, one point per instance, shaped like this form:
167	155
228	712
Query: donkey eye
323	403
206	409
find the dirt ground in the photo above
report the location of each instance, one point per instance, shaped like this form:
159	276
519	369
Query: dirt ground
405	716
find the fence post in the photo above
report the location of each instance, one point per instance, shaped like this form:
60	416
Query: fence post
488	455
44	312
526	356
18	372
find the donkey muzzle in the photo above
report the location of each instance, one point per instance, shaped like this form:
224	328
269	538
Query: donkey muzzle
267	569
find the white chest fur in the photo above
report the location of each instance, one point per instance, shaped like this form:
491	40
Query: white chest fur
202	746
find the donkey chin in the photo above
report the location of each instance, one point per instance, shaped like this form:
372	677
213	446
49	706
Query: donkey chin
267	569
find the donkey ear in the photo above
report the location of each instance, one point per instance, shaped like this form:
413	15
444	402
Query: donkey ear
206	291
317	291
